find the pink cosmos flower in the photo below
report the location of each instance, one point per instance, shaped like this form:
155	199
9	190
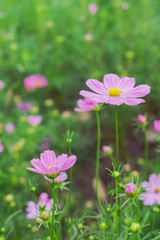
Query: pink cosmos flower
127	167
142	119
61	178
131	189
116	91
35	81
156	124
152	188
92	8
34	209
1	84
9	127
86	105
24	106
51	166
125	6
1	147
34	120
88	37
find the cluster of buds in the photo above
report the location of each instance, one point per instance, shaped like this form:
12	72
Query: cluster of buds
10	199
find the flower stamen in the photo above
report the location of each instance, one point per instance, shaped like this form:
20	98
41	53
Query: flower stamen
51	166
156	190
114	92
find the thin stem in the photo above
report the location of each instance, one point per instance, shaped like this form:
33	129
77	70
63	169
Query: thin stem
97	160
137	216
53	209
70	191
158	156
116	214
104	234
146	148
117	137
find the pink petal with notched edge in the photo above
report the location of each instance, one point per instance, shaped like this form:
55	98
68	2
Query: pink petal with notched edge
139	91
94	97
61	159
48	158
43	199
96	86
69	163
133	101
149	199
126	83
37	164
111	81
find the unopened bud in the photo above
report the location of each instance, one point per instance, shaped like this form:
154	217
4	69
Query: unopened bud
156	210
131	189
2	238
39	220
80	226
107	150
115	174
127	167
103	226
42	207
142	119
12	204
9	197
69	140
45	215
135	227
33	189
91	237
29	226
2	230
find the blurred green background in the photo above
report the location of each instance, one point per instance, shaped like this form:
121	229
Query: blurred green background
64	42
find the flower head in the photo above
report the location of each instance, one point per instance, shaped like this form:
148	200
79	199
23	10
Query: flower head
92	8
116	91
24	106
35	81
107	150
142	119
88	37
44	204
156	124
131	189
152	190
34	120
50	165
86	105
10	127
127	167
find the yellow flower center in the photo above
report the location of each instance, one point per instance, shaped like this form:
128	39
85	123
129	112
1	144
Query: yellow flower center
51	166
114	92
156	190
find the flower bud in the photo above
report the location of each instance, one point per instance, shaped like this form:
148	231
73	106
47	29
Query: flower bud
91	237
2	230
135	174
39	220
12	204
48	238
156	210
131	189
127	167
29	226
45	215
115	174
33	189
9	197
2	238
103	226
135	227
42	207
80	226
107	150
69	140
142	119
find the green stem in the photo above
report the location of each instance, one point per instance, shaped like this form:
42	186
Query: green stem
97	161
118	217
53	210
70	191
158	156
137	216
116	213
104	234
146	149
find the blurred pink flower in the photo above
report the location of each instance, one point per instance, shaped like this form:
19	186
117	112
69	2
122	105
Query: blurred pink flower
152	188
142	119
156	124
86	105
125	6
34	209
34	120
61	178
9	127
127	167
116	91
35	81
131	189
1	84
51	166
1	147
92	8
24	106
107	149
88	37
